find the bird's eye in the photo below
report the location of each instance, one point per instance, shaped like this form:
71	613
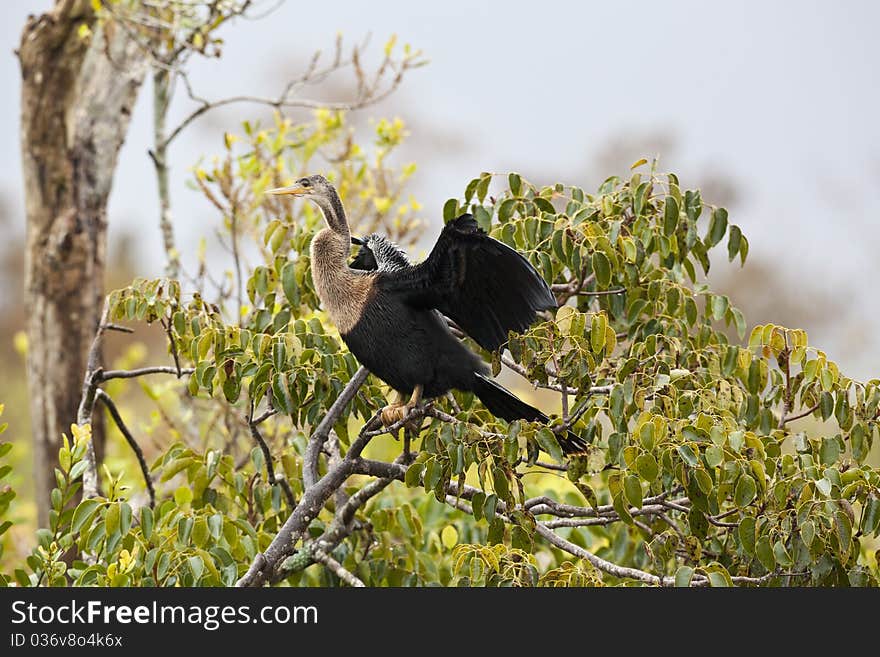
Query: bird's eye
305	182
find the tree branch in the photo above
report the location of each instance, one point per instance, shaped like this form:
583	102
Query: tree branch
336	568
797	416
319	436
106	375
267	457
105	399
522	371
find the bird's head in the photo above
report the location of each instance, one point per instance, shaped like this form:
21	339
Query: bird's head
319	190
316	188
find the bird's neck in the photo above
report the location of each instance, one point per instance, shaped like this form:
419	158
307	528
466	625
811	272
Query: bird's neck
341	290
334	215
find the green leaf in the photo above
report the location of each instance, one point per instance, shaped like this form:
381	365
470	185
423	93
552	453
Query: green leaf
597	332
746	491
734	242
450	210
764	552
196	566
826	405
520	539
720	304
683	576
84	513
602	269
746	533
646	466
829	451
483	218
496	531
111	519
78	468
515	183
289	285
717	579
717	227
783	558
413	476
871	515
808	532
632	488
687	453
714	456
670	216
499	478
843	528
449	537
146	522
547	441
183	495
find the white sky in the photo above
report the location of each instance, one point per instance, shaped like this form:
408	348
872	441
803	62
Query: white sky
782	96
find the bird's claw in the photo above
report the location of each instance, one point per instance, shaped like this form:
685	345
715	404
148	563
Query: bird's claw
394	413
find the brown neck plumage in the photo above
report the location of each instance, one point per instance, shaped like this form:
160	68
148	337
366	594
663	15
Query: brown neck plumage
334	215
342	291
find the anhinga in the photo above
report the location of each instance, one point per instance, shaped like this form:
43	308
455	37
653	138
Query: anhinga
388	311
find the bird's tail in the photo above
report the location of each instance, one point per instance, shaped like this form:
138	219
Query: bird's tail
504	404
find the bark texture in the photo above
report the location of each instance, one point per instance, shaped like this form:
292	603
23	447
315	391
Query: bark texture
76	102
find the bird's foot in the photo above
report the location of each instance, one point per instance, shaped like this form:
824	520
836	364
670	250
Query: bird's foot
393	413
399	410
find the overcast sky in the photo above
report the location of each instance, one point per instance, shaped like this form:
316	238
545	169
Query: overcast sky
781	96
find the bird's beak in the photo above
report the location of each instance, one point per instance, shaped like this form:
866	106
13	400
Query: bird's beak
357	241
293	190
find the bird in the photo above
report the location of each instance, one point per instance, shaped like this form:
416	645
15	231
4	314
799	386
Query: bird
390	313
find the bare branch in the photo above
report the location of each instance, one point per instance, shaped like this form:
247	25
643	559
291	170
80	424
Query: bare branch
600	563
336	568
105	399
797	416
106	375
270	469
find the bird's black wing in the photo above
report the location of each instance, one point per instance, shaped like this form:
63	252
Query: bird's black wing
377	252
483	285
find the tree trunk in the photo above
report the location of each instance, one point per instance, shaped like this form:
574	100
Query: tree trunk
76	103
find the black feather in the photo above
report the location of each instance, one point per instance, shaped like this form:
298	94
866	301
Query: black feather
504	404
483	285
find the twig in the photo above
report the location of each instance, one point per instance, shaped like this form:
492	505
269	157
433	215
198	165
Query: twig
337	568
105	399
270	469
265	416
172	346
600	563
522	371
106	375
791	418
118	327
162	86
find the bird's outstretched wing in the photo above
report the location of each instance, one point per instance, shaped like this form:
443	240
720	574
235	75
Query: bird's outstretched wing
483	285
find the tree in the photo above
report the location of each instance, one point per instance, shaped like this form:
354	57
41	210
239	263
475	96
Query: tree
76	102
82	66
698	473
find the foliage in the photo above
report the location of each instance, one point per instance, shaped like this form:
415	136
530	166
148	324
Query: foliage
7	494
695	474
